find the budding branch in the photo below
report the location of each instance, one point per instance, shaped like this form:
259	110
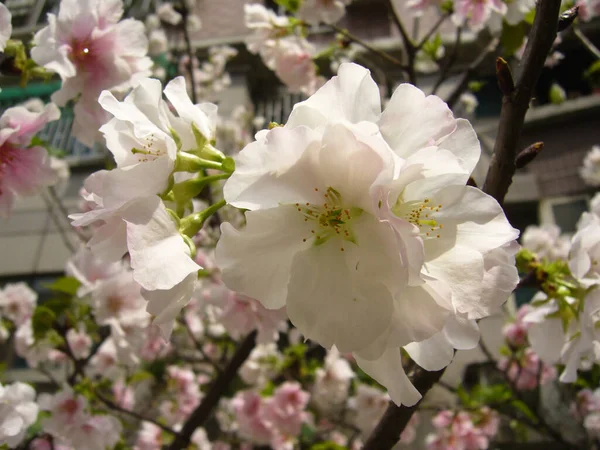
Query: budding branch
499	177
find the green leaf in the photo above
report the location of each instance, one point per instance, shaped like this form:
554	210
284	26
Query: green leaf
307	434
432	47
289	5
593	70
512	37
522	406
328	445
42	321
529	17
557	94
476	86
59	305
139	376
66	285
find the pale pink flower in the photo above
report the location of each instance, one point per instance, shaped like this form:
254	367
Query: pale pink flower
488	421
588	9
124	395
120	298
515	332
420	6
241	314
286	409
247	407
91	51
149	437
368	406
586	402
409	434
327	11
17	301
167	13
89	270
18	411
5	26
477	12
332	382
293	64
525	372
23	169
67	409
592	424
80	342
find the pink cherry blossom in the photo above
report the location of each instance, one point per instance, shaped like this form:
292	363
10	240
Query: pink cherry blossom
525	372
285	410
17	301
91	51
79	342
149	437
23	169
477	12
588	9
241	315
515	332
247	407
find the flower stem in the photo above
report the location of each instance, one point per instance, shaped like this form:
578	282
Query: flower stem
194	223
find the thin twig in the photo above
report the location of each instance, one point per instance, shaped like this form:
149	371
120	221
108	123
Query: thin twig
198	345
516	104
202	413
367	46
112	405
449	63
589	45
58	224
409	45
471	70
65	213
433	29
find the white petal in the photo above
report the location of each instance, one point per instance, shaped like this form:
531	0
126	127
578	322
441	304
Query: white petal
388	371
547	339
464	144
351	96
412	121
462	269
263	178
431	354
461	333
330	302
257	260
159	256
167	304
177	94
109	242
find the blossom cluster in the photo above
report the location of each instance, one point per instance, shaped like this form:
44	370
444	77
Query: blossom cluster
469	430
564	314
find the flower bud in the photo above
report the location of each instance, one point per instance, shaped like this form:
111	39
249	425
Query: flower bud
567	18
506	83
528	154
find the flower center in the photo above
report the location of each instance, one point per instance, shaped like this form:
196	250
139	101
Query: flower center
81	53
148	152
331	218
421	214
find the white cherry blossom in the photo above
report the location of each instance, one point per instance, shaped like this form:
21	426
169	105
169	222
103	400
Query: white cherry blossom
357	211
18	411
327	11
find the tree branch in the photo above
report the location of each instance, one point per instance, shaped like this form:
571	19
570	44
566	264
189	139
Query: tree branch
589	45
515	105
409	45
387	432
112	405
205	409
